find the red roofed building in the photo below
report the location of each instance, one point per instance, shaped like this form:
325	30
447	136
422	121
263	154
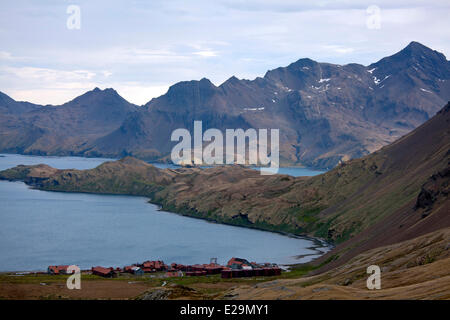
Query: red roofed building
177	266
213	268
133	270
238	263
174	273
196	267
103	272
57	270
152	266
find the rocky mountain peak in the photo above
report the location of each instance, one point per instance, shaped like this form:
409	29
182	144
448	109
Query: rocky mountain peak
231	80
413	54
193	87
4	98
108	96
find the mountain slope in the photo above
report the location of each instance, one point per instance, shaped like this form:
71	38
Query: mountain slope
411	270
413	199
64	129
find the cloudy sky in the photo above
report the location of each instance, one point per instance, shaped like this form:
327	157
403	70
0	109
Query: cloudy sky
140	47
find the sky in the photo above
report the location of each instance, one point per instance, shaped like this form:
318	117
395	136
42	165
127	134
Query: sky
54	50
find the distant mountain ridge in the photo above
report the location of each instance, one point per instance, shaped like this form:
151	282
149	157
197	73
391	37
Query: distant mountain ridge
60	130
326	113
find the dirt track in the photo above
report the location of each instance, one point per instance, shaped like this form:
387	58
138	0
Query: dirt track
92	289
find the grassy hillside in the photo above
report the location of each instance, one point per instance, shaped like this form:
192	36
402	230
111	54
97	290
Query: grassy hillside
413	269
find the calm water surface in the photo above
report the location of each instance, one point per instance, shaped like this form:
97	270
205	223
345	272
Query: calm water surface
40	228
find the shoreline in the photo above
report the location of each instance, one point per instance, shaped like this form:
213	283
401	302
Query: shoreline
110	158
318	243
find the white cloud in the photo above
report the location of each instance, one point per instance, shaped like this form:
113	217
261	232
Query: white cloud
289	6
48	75
140	93
107	74
206	53
43	95
127	55
5	55
45	85
52	86
339	49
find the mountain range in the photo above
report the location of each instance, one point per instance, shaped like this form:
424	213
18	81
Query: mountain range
326	113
